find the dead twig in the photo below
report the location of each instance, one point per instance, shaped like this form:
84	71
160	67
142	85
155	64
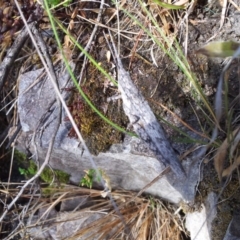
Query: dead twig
235	5
165	171
34	177
94	30
224	9
11	55
180	120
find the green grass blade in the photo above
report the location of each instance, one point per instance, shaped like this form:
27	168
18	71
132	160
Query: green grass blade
175	53
52	21
167	5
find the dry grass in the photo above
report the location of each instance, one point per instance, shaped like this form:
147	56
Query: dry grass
145	218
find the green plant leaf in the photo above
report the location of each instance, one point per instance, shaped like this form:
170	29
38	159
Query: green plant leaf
57	3
88	179
167	5
23	171
219	49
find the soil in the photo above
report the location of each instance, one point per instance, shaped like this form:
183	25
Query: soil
165	84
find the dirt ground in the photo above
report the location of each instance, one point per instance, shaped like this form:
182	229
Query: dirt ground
165	84
172	92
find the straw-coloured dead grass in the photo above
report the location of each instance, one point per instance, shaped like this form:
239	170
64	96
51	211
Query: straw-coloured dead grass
138	217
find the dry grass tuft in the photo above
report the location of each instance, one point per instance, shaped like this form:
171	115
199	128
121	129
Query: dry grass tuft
145	218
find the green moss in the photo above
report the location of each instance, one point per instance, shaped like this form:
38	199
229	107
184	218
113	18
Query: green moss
48	175
20	157
51	190
97	133
88	179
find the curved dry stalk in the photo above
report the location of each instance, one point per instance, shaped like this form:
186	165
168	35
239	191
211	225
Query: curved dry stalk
224	9
34	177
180	120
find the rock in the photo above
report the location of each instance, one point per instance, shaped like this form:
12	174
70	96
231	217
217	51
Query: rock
68	225
62	225
233	231
199	221
130	164
36	105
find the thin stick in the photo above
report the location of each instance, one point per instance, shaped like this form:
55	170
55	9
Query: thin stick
234	4
164	172
35	176
94	30
224	9
12	53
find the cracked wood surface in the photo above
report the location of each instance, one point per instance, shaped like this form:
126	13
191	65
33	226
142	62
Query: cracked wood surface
144	121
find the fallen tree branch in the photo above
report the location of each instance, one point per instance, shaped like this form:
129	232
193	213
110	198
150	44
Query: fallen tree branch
144	121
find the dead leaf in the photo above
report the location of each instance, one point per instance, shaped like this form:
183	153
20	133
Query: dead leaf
219	49
108	55
74	13
235	143
7	11
221	2
220	156
228	171
71	24
67	48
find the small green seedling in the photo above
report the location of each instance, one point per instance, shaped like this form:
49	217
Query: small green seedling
168	6
88	179
23	171
58	3
152	203
93	175
30	171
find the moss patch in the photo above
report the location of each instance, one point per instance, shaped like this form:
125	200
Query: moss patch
48	175
98	134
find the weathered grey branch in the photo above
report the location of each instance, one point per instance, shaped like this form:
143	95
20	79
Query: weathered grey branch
144	121
11	55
